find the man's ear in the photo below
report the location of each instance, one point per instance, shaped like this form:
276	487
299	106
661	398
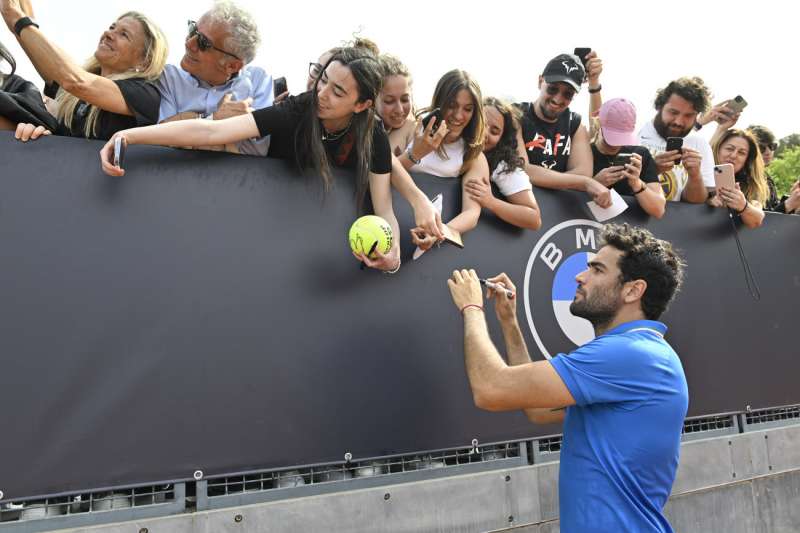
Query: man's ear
233	66
361	106
634	290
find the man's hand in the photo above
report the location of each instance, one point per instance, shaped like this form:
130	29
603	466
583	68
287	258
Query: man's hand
479	190
691	161
721	113
229	108
594	67
599	193
505	307
465	288
610	175
665	161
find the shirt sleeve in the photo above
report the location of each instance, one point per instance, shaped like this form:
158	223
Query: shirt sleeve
707	164
142	99
281	119
168	107
608	370
510	182
381	151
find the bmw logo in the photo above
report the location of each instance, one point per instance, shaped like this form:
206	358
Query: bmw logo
558	256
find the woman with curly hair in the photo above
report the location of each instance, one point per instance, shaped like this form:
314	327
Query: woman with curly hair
740	148
518	207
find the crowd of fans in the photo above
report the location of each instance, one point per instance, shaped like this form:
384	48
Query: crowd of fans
358	112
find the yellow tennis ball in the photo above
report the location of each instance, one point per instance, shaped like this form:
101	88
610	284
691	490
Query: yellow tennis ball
369	230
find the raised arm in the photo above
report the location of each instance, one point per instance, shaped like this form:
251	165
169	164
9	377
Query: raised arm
53	64
183	133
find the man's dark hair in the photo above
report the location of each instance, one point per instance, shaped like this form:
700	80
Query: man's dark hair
647	258
763	134
693	90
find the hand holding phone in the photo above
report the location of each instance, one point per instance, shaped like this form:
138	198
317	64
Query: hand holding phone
582	53
119	151
724	177
435	113
737	104
621	159
675	143
279	86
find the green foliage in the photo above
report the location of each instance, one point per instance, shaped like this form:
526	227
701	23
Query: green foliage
787	143
785	170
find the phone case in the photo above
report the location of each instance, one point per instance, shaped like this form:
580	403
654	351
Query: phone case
723	176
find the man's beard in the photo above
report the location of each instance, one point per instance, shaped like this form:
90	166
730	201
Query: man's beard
664	131
599	309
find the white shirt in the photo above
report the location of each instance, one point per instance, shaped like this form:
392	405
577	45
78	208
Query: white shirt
435	165
510	182
674	181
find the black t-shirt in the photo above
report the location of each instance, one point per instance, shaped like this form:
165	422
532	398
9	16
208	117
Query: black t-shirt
282	121
649	173
141	97
548	144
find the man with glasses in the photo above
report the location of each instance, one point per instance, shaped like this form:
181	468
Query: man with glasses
552	139
214	80
767	145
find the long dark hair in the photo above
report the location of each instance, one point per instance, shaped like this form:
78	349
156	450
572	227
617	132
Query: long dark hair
506	148
444	96
311	153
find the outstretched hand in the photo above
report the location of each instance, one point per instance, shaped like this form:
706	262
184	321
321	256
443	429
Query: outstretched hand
465	288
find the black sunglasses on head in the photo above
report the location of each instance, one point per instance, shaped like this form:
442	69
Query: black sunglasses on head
203	42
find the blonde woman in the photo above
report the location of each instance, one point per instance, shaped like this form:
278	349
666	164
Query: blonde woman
740	148
111	92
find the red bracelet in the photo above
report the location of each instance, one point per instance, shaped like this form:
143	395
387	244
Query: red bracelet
471	305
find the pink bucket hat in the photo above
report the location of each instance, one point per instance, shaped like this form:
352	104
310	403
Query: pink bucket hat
618	122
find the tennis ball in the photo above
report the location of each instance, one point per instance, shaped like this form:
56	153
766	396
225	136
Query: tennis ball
368	230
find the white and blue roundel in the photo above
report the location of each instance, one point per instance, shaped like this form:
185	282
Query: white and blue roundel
578	330
549	289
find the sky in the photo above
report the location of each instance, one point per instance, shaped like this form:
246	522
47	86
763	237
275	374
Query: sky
736	47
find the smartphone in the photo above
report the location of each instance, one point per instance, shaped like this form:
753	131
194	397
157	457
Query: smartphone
582	53
427	118
119	151
675	143
737	104
621	160
723	176
279	86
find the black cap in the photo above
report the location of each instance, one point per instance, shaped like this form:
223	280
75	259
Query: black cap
567	68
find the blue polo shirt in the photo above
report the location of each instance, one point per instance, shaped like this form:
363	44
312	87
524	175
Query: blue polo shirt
622	438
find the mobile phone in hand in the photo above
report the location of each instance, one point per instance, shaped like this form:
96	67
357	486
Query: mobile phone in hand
582	53
119	151
724	177
436	112
621	159
737	104
675	143
279	86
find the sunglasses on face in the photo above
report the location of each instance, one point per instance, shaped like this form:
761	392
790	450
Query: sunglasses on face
771	147
553	90
203	42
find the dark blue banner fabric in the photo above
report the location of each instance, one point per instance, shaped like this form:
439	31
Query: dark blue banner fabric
204	312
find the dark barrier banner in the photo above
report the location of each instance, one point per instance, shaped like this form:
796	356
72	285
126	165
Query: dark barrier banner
204	313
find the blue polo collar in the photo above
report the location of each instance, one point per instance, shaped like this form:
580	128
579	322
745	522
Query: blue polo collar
654	325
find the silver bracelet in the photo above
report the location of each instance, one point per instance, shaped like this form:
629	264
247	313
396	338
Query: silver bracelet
396	270
411	156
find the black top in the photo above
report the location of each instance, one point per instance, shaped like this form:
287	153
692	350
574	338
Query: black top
649	173
141	97
548	143
281	123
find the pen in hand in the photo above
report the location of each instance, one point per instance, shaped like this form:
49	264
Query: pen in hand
497	287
